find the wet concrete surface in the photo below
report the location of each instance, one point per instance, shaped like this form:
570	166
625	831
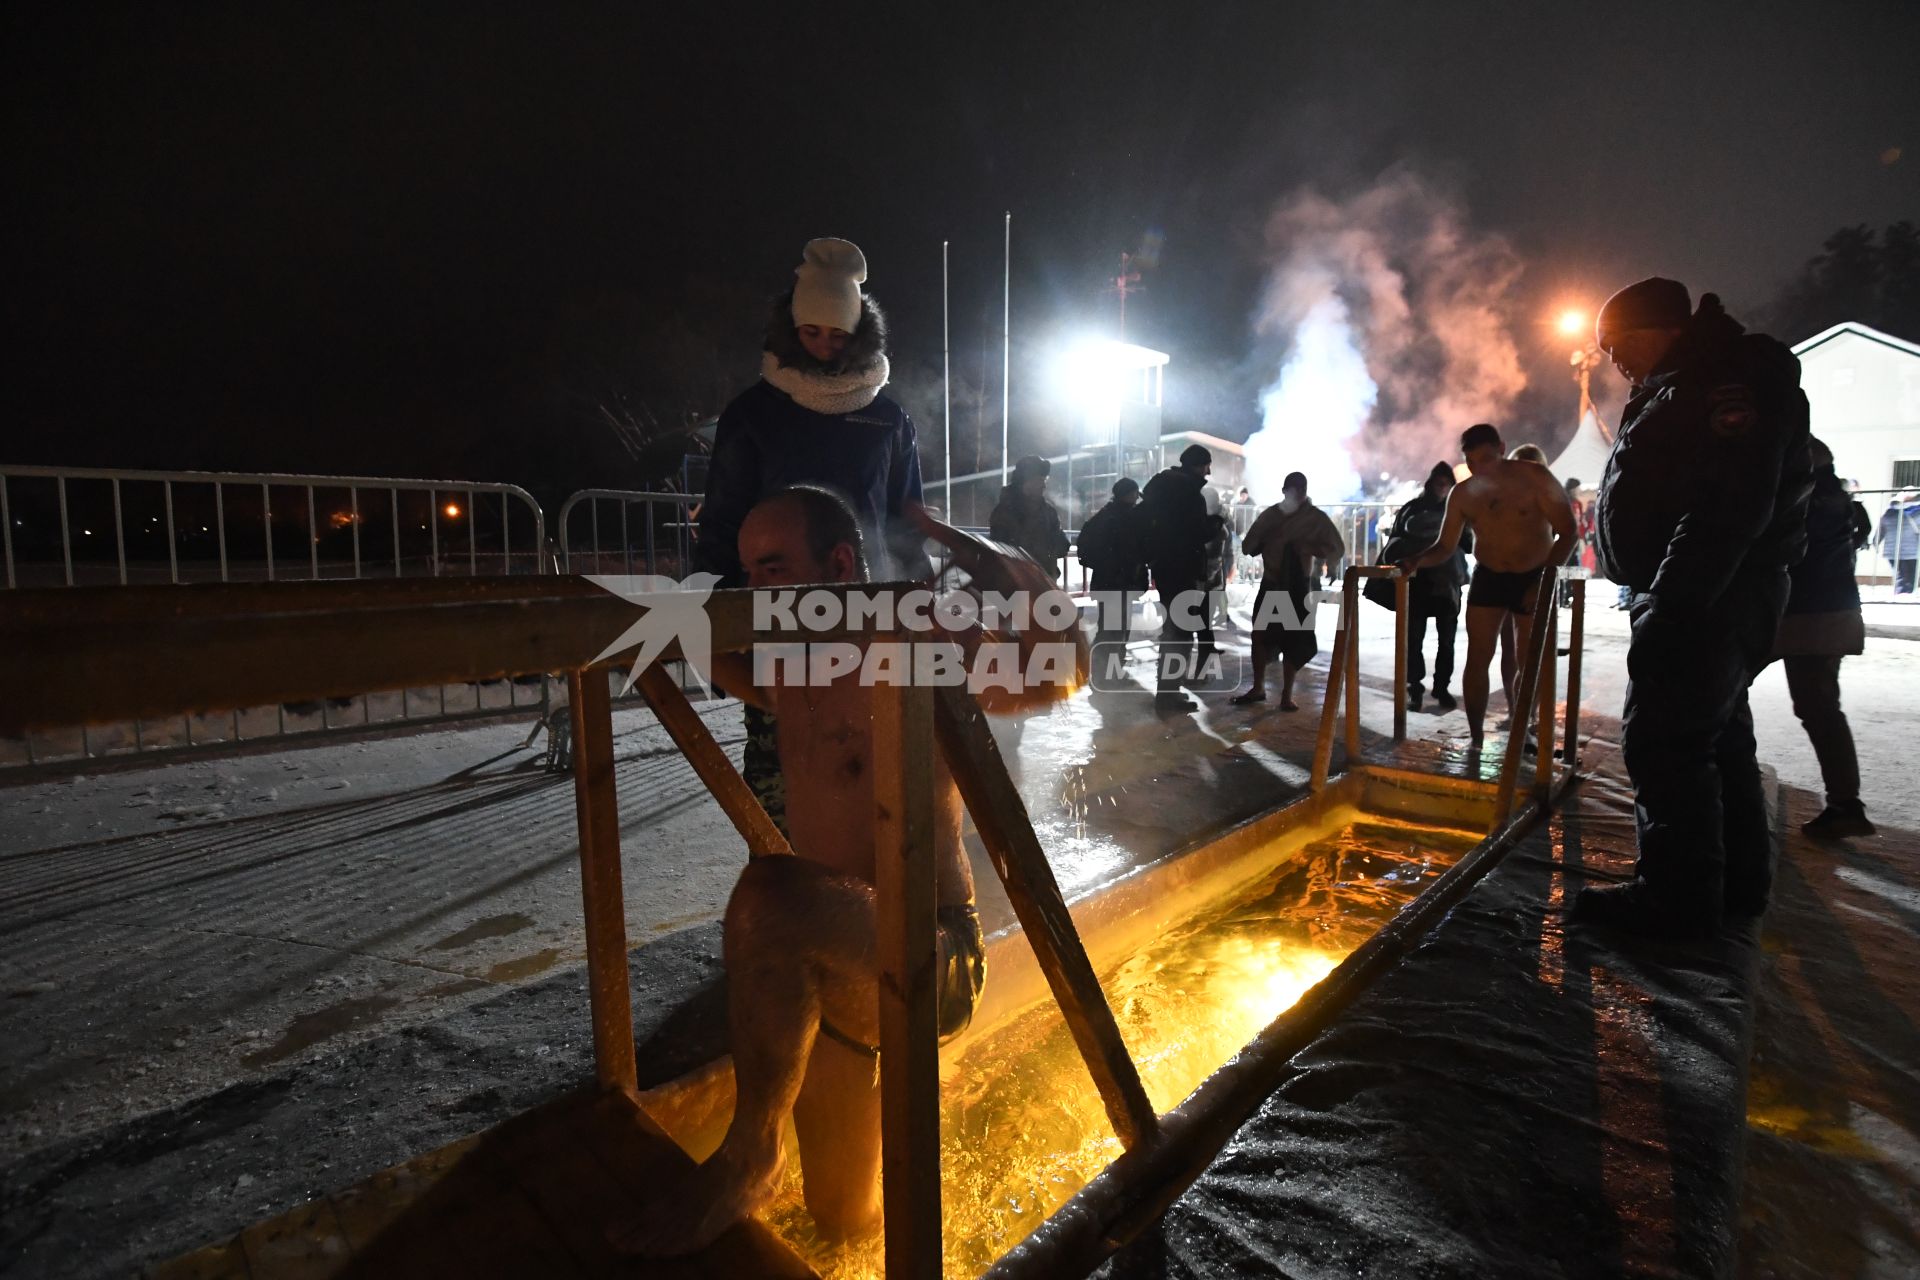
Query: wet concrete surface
153	952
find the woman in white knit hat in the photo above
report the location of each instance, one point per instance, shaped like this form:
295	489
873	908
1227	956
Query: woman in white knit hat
816	416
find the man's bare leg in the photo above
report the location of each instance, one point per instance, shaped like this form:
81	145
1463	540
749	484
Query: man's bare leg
1483	635
1257	691
1509	660
799	946
1287	672
837	1118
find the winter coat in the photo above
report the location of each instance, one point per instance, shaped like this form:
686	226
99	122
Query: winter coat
1823	611
1033	525
1436	588
1289	542
1111	547
1709	475
1177	527
1899	535
854	440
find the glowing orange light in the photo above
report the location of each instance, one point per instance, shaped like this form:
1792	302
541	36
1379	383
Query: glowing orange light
1572	323
453	510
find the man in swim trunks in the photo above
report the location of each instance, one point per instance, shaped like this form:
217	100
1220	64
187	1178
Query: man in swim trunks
1521	521
802	969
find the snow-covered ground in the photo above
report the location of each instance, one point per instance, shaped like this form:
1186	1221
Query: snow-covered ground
168	930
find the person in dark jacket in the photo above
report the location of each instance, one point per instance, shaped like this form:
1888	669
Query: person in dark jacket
1111	543
1899	539
1434	594
1823	625
1702	511
816	416
1178	530
1290	537
1024	518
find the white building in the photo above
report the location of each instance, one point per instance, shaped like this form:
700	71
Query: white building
1864	387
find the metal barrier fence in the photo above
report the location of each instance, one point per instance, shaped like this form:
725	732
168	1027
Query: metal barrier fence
72	526
83	527
658	526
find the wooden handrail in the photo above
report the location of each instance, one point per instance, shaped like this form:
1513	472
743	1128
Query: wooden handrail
101	655
1576	642
1001	819
1343	670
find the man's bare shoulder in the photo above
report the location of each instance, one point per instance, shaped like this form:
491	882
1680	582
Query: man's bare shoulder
1470	494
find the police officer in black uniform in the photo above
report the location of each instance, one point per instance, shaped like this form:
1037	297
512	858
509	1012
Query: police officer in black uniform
1701	512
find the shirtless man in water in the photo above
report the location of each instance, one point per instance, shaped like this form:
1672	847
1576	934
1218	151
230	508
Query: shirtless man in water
1521	521
802	966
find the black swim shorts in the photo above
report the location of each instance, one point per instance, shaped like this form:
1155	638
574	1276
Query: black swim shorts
963	972
1495	589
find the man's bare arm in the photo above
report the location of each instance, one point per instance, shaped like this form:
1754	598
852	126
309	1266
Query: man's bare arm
1443	546
990	570
953	872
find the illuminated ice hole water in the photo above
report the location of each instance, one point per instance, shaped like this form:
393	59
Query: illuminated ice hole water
1197	953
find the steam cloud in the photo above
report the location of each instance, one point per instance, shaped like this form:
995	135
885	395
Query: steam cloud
1393	315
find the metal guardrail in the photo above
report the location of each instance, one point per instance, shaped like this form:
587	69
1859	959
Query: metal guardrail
96	527
661	531
222	526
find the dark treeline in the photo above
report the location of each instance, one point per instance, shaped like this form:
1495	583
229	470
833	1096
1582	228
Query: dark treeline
1862	275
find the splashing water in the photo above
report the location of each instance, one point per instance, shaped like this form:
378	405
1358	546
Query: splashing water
1022	1127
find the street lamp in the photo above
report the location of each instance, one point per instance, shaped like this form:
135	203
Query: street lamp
1572	323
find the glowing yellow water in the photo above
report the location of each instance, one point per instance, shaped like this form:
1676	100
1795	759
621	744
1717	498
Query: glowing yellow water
1022	1128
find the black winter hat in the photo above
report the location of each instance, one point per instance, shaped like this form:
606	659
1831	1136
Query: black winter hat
1124	486
1653	303
1441	471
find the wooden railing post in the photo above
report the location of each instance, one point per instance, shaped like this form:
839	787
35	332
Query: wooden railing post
1544	746
904	908
596	805
1001	818
1401	599
1330	701
689	732
1350	619
1576	644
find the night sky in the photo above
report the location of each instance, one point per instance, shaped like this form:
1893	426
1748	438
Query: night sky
256	236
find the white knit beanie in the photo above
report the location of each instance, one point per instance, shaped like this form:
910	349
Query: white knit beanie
827	292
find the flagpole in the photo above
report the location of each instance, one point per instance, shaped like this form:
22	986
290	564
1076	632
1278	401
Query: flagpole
946	382
1006	343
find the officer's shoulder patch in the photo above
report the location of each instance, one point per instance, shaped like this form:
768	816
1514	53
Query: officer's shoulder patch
1730	409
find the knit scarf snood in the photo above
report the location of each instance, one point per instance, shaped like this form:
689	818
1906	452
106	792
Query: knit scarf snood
827	393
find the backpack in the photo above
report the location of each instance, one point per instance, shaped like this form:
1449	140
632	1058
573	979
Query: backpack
1096	548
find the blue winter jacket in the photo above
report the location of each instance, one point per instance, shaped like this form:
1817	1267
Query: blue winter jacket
765	441
1899	535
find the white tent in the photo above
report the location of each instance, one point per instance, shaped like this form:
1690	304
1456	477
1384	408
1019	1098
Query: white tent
1585	456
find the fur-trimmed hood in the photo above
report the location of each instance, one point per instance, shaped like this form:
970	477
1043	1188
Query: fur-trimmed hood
845	385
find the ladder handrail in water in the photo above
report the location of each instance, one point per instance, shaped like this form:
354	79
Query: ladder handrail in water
1536	692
